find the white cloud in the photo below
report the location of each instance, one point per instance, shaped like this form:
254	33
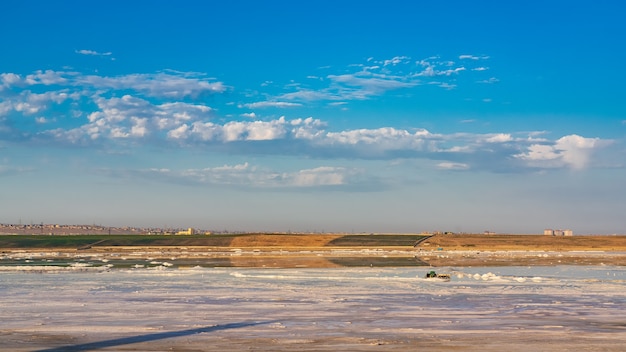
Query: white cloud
571	151
42	120
576	150
10	79
444	85
369	136
266	131
482	68
156	85
452	166
250	115
271	104
489	81
499	138
234	131
321	176
203	131
179	132
450	72
29	103
377	143
250	176
307	129
147	108
132	117
92	53
368	81
372	85
309	95
473	57
139	127
396	60
171	85
359	86
47	77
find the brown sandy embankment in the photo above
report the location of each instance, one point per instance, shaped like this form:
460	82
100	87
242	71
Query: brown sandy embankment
503	250
336	250
526	243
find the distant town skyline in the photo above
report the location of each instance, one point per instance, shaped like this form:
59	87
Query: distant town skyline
315	117
78	229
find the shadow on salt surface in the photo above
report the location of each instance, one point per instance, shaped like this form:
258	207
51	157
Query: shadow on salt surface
149	337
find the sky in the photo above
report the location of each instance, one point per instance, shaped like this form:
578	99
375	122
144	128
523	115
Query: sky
325	116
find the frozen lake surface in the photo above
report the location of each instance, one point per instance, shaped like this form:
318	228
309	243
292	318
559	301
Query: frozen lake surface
82	308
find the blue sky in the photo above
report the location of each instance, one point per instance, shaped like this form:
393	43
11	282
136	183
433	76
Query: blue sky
323	116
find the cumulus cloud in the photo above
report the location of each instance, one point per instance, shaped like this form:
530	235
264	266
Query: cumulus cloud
250	115
132	117
158	109
499	138
571	151
237	131
137	119
48	77
381	136
9	79
29	103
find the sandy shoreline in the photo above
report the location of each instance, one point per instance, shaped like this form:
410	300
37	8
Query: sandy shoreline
316	257
321	251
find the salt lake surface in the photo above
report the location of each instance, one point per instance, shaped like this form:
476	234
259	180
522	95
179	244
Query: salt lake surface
161	308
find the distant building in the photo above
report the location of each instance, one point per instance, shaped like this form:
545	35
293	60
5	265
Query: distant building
551	232
189	231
